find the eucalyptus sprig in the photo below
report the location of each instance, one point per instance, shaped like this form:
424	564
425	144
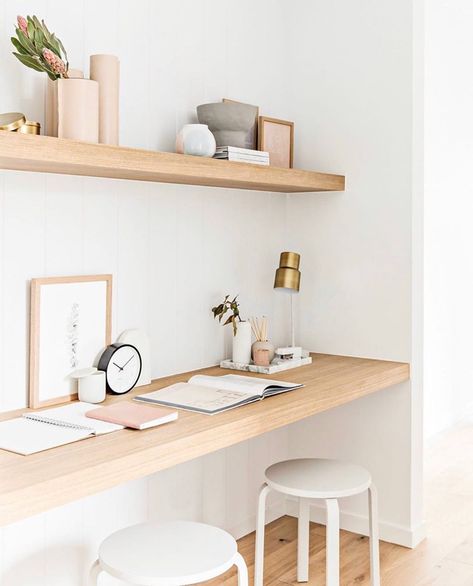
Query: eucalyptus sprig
38	48
226	306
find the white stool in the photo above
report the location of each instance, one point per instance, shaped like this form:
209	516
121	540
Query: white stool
318	479
168	554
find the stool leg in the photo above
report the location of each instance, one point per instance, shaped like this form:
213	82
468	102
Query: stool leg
303	541
374	539
242	570
94	573
333	543
259	547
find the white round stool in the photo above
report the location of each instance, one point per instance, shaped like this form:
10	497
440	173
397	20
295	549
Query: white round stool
311	478
170	554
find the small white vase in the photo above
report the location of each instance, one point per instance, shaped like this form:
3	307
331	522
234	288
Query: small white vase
197	140
242	343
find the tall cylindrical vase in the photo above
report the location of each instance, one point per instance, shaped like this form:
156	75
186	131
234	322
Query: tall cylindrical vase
50	114
51	107
242	343
105	69
78	109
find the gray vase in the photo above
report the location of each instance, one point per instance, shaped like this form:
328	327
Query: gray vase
231	123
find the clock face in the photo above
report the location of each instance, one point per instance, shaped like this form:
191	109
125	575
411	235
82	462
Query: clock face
122	363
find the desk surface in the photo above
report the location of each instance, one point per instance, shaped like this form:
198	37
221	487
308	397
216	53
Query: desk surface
36	483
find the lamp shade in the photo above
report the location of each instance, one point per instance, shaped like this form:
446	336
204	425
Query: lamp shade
288	275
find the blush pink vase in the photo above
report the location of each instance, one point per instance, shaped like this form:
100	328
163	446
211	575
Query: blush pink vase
51	106
78	109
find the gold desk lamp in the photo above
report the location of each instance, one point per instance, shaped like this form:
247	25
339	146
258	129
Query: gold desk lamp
288	278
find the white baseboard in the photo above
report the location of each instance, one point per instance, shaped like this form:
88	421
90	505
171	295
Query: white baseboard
355	523
390	532
418	534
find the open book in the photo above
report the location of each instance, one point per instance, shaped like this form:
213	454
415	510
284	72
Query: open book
214	394
35	432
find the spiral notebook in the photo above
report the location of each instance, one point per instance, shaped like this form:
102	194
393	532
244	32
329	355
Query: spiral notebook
36	432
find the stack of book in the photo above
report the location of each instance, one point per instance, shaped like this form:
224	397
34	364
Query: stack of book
231	153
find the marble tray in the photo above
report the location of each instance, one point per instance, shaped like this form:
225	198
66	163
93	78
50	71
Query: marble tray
271	369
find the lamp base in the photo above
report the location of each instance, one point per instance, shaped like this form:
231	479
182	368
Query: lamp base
289	353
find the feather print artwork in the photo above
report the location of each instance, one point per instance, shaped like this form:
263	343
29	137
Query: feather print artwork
73	335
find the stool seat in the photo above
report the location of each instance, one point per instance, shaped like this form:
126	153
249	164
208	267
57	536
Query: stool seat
318	478
176	552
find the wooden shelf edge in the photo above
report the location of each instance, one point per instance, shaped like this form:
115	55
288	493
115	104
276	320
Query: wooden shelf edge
45	154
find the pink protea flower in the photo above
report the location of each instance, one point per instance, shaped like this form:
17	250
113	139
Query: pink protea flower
57	65
22	24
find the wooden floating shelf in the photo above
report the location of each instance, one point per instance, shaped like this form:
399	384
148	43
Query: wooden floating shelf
45	154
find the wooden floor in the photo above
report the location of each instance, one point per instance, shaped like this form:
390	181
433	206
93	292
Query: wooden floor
445	558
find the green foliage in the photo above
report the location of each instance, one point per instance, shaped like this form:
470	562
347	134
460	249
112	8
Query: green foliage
219	311
32	38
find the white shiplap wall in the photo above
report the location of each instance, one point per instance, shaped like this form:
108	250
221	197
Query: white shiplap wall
353	107
173	250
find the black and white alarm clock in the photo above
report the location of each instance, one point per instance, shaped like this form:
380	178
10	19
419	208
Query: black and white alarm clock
122	366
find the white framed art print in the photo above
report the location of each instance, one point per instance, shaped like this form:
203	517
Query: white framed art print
70	326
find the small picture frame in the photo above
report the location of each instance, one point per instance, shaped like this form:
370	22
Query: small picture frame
71	323
277	138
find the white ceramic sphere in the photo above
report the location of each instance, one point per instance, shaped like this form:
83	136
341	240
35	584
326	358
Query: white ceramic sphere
197	140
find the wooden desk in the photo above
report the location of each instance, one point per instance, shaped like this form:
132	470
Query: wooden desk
36	483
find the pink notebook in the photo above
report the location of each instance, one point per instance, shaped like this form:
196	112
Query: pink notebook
133	415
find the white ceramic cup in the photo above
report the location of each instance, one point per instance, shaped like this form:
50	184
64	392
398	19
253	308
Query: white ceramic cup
92	388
